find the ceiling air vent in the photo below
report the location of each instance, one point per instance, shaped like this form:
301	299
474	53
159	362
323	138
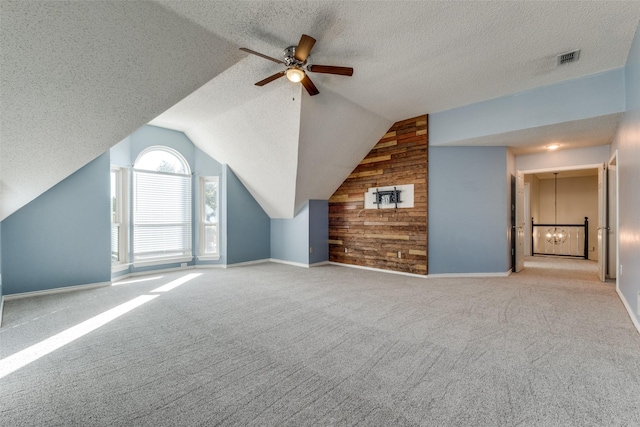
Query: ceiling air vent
568	57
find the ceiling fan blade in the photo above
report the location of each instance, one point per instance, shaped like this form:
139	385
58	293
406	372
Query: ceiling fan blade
330	69
309	86
244	49
270	78
304	47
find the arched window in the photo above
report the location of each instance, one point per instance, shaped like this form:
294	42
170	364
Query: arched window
161	206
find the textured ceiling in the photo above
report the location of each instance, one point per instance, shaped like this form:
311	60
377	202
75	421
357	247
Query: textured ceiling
77	77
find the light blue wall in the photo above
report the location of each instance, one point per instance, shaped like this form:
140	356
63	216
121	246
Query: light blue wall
591	96
468	210
148	136
248	226
290	237
62	238
627	142
319	230
120	154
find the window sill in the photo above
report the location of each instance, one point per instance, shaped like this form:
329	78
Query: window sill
208	257
161	261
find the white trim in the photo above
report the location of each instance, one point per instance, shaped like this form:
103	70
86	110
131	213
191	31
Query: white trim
208	257
562	168
242	264
634	319
55	290
172	151
425	276
210	266
148	272
614	160
318	264
295	264
160	261
379	270
471	275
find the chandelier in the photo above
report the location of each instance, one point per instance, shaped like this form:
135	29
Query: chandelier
556	235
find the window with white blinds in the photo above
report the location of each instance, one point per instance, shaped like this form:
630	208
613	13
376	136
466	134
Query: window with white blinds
209	218
115	217
118	217
161	213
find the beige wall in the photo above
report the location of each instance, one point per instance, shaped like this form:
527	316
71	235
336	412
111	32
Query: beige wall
577	198
534	188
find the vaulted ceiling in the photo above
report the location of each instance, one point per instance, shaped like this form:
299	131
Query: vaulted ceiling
78	77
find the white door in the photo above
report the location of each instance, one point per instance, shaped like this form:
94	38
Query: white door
602	222
520	222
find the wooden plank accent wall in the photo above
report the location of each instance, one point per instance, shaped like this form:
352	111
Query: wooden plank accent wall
373	237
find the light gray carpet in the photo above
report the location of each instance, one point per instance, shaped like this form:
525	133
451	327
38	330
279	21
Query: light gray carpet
274	345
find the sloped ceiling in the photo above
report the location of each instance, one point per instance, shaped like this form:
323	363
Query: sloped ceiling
77	77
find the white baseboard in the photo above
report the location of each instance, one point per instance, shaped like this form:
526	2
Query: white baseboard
295	264
298	264
55	290
379	270
469	275
318	264
210	266
425	276
634	319
150	272
242	264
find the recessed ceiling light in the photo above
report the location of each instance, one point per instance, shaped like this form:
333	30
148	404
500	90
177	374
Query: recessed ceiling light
552	146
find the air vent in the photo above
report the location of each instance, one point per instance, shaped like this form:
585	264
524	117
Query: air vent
568	57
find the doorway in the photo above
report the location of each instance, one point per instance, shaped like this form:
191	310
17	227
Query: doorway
538	199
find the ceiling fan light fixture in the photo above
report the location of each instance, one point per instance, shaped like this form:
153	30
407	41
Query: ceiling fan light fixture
295	74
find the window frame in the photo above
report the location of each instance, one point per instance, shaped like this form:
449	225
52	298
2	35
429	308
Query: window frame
139	260
203	224
122	216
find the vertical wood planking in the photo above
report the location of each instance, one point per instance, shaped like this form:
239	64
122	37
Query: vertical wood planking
373	237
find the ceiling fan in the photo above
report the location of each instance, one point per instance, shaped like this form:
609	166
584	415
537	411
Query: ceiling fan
295	59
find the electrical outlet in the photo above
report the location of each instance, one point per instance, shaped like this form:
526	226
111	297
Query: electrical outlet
345	250
183	265
620	270
310	249
399	254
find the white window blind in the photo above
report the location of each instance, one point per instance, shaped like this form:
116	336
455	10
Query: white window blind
161	215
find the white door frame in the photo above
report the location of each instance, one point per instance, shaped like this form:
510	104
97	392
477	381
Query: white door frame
519	265
603	223
527	219
613	166
520	195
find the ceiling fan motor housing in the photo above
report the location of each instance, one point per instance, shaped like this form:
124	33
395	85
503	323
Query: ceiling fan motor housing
290	59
